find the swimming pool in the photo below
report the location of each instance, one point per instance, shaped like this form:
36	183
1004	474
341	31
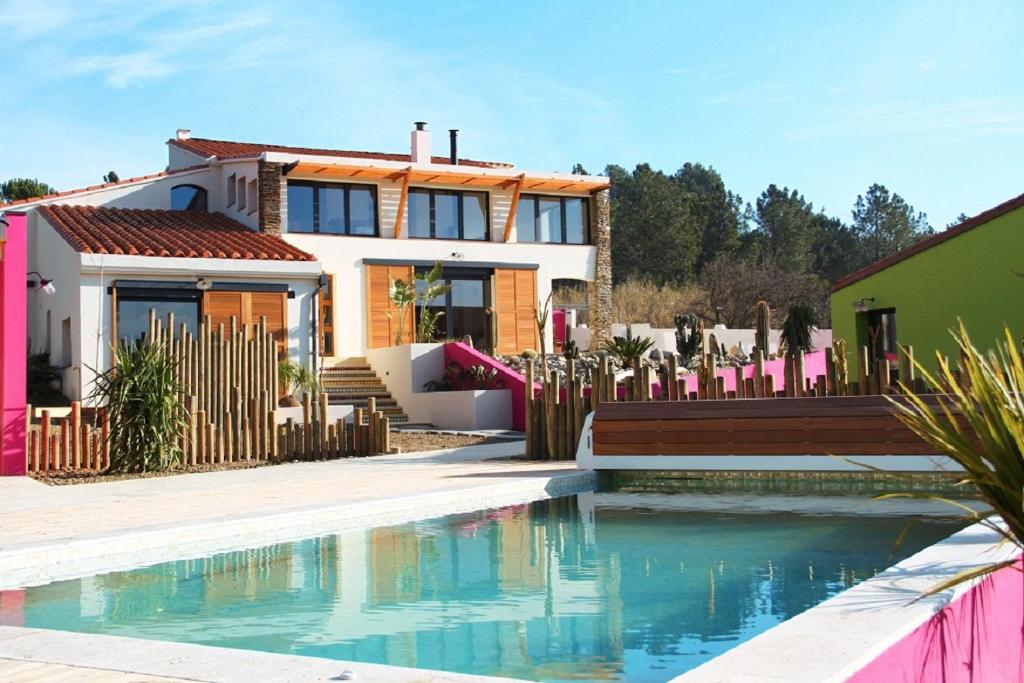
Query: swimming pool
598	586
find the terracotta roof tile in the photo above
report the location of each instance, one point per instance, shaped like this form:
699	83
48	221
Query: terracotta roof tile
91	188
929	242
224	149
159	232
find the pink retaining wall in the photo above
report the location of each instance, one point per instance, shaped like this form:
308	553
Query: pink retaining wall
13	335
513	381
977	638
814	365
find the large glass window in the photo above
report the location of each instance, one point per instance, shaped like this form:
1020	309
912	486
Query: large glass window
556	220
188	198
464	310
134	304
332	208
448	214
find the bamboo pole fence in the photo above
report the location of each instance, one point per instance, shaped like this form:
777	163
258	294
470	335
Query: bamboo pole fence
555	415
229	376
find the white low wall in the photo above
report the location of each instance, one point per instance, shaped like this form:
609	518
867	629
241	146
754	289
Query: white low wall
406	369
664	338
334	413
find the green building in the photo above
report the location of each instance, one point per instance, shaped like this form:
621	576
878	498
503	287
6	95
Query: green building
974	271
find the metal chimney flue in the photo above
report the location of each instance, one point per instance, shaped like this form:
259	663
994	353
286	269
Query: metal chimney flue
453	135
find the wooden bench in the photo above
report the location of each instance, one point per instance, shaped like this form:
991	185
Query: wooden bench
841	426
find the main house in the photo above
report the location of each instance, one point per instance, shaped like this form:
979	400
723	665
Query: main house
311	239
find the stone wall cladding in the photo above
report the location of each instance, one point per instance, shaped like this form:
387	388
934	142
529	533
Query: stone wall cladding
600	304
272	186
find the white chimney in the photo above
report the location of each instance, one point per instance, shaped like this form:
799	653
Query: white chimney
184	133
421	144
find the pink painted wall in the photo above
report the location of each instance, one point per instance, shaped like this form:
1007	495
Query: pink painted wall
814	365
978	638
13	340
465	356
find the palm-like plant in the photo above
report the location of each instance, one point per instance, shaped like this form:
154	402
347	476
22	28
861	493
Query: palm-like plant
801	319
403	295
144	403
628	348
295	377
981	427
429	286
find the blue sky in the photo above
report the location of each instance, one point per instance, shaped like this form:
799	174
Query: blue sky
827	97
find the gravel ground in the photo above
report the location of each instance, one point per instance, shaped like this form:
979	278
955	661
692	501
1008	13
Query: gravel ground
407	442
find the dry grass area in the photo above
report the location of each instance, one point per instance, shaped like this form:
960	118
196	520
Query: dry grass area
412	442
637	301
406	442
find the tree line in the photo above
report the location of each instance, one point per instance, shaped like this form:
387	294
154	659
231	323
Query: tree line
687	228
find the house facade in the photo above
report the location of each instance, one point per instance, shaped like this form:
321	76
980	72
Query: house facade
314	237
973	271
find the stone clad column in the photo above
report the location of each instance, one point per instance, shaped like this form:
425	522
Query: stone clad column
600	294
273	188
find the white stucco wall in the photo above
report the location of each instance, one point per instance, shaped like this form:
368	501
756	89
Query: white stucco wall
342	256
99	272
405	369
53	258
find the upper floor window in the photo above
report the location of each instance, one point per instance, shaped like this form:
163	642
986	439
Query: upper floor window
188	198
558	220
332	208
448	214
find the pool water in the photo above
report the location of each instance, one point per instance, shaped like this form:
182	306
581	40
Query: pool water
591	587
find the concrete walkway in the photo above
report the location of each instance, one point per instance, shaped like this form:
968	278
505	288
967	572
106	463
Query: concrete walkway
35	513
50	533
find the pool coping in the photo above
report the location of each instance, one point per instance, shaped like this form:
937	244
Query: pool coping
835	639
202	662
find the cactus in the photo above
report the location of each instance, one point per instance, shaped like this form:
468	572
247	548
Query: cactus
689	336
764	323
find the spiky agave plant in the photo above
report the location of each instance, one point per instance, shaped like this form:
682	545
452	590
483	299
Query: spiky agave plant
627	349
145	408
981	427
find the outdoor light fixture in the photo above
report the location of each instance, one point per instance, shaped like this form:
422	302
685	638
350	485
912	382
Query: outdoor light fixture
862	305
45	284
457	256
203	284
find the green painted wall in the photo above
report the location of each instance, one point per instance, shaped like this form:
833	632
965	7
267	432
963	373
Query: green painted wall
970	276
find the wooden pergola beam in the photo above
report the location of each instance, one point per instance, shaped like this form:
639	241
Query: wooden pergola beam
514	207
402	201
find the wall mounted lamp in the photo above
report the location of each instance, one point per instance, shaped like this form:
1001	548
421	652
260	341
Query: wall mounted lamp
45	284
862	305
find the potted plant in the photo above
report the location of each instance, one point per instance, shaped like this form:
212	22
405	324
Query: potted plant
295	377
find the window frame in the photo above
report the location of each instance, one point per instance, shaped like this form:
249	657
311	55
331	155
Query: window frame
346	190
326	318
534	200
156	295
431	204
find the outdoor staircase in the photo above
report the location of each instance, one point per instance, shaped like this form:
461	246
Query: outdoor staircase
352	382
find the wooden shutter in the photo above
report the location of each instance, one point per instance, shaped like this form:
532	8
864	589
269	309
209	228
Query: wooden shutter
326	319
247	308
381	314
222	306
515	303
273	305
